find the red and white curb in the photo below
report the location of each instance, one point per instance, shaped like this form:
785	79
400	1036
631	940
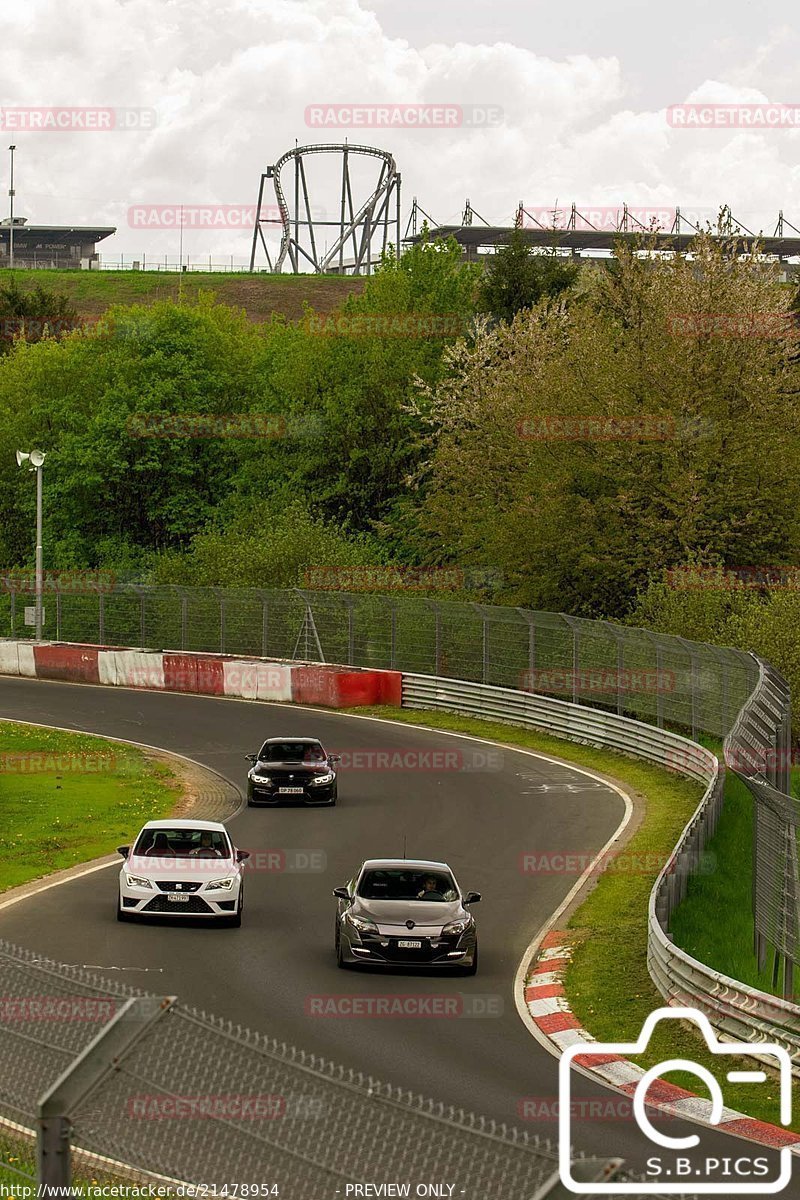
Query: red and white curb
548	1007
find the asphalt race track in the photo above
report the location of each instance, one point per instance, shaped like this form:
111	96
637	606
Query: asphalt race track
264	974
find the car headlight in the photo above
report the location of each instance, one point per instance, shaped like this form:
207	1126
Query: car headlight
363	924
138	881
456	927
224	885
328	777
260	778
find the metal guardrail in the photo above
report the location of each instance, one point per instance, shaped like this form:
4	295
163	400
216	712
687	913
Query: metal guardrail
735	1010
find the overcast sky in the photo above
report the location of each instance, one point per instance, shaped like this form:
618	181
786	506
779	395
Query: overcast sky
579	94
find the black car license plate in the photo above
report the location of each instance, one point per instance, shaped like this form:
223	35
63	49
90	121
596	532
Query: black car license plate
407	944
291	791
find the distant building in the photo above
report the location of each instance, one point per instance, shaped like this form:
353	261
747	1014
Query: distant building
43	246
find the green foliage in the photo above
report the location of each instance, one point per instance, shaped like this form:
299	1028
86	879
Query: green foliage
527	473
32	315
263	545
519	276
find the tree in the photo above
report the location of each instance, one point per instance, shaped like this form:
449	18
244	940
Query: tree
33	315
529	471
518	277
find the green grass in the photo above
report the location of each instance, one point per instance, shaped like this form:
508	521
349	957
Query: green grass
608	984
66	798
727	945
261	295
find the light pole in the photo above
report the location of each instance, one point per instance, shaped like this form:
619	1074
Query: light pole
11	226
36	459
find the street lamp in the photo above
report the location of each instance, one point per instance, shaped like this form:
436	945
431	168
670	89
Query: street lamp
11	226
36	459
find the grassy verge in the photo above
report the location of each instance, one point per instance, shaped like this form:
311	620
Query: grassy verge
727	945
261	295
67	798
609	986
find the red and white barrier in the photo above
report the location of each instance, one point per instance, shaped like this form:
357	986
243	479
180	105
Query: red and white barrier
202	674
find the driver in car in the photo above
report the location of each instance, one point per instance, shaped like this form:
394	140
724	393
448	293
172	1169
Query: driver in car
431	889
206	848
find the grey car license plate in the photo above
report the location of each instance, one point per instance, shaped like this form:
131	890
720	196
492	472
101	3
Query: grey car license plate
405	944
177	898
291	791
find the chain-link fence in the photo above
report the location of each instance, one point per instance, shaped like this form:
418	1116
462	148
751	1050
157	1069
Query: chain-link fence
145	1088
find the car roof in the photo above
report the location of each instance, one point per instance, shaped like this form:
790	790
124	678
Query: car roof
186	823
382	863
291	738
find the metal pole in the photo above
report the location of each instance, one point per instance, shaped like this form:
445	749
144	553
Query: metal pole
39	573
11	226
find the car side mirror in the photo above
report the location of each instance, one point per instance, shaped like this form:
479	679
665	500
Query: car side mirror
472	898
242	855
124	851
341	893
251	758
334	758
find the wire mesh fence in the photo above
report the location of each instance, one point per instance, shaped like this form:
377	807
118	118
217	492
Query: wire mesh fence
196	1100
657	678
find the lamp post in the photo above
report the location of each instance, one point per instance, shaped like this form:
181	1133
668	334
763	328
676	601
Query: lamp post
36	459
11	226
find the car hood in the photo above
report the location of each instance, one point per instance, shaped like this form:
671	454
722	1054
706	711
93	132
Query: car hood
167	867
393	914
289	768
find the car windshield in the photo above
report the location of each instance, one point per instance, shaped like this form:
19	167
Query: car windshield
183	843
399	883
280	752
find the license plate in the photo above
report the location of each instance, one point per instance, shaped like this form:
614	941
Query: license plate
407	945
177	898
291	791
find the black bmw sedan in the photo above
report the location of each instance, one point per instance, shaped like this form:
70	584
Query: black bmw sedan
292	770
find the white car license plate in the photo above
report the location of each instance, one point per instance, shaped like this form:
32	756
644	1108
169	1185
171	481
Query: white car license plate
177	898
291	791
404	944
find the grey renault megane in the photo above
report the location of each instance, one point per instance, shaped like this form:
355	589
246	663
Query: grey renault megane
406	912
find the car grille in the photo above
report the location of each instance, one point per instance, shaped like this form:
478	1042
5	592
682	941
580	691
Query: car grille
177	885
195	904
396	953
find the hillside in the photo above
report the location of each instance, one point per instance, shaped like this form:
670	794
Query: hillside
261	295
